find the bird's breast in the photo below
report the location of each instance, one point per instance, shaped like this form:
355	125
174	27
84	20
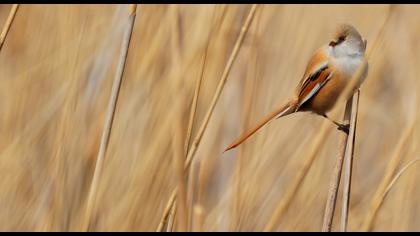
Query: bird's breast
347	66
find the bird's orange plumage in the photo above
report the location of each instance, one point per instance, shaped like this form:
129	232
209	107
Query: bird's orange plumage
322	83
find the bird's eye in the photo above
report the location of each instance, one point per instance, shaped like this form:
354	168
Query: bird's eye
338	41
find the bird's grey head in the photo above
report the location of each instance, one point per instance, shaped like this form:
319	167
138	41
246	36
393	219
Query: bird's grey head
346	41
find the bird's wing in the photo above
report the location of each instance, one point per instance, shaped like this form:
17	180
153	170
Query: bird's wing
317	74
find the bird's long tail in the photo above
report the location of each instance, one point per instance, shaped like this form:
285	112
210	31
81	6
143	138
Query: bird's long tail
285	109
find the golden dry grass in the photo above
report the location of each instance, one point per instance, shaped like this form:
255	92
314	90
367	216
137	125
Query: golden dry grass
57	67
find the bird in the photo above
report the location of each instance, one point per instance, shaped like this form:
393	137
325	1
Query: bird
327	74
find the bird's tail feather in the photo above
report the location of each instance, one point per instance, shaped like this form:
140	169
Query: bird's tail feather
286	109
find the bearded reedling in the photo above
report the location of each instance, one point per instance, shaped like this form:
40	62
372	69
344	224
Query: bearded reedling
326	76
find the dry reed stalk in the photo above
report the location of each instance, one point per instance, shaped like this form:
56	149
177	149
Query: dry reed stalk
109	117
167	211
8	23
179	157
221	84
176	58
195	100
190	197
335	181
194	110
332	195
396	177
386	180
349	162
171	221
198	87
216	96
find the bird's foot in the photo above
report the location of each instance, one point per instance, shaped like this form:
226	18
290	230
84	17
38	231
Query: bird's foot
344	127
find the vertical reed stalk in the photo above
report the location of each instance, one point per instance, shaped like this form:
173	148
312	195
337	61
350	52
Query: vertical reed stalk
193	115
171	222
349	163
8	23
109	118
178	147
335	181
221	84
167	211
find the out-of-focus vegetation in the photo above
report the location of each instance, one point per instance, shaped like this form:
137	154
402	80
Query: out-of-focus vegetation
56	70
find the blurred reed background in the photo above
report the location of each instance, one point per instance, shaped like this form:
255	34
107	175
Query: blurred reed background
57	66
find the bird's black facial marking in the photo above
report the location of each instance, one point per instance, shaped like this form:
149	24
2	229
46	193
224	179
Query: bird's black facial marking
338	41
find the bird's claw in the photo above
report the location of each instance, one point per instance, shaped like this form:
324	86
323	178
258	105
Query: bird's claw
344	127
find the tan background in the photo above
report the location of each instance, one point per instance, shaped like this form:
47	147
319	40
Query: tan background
56	71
